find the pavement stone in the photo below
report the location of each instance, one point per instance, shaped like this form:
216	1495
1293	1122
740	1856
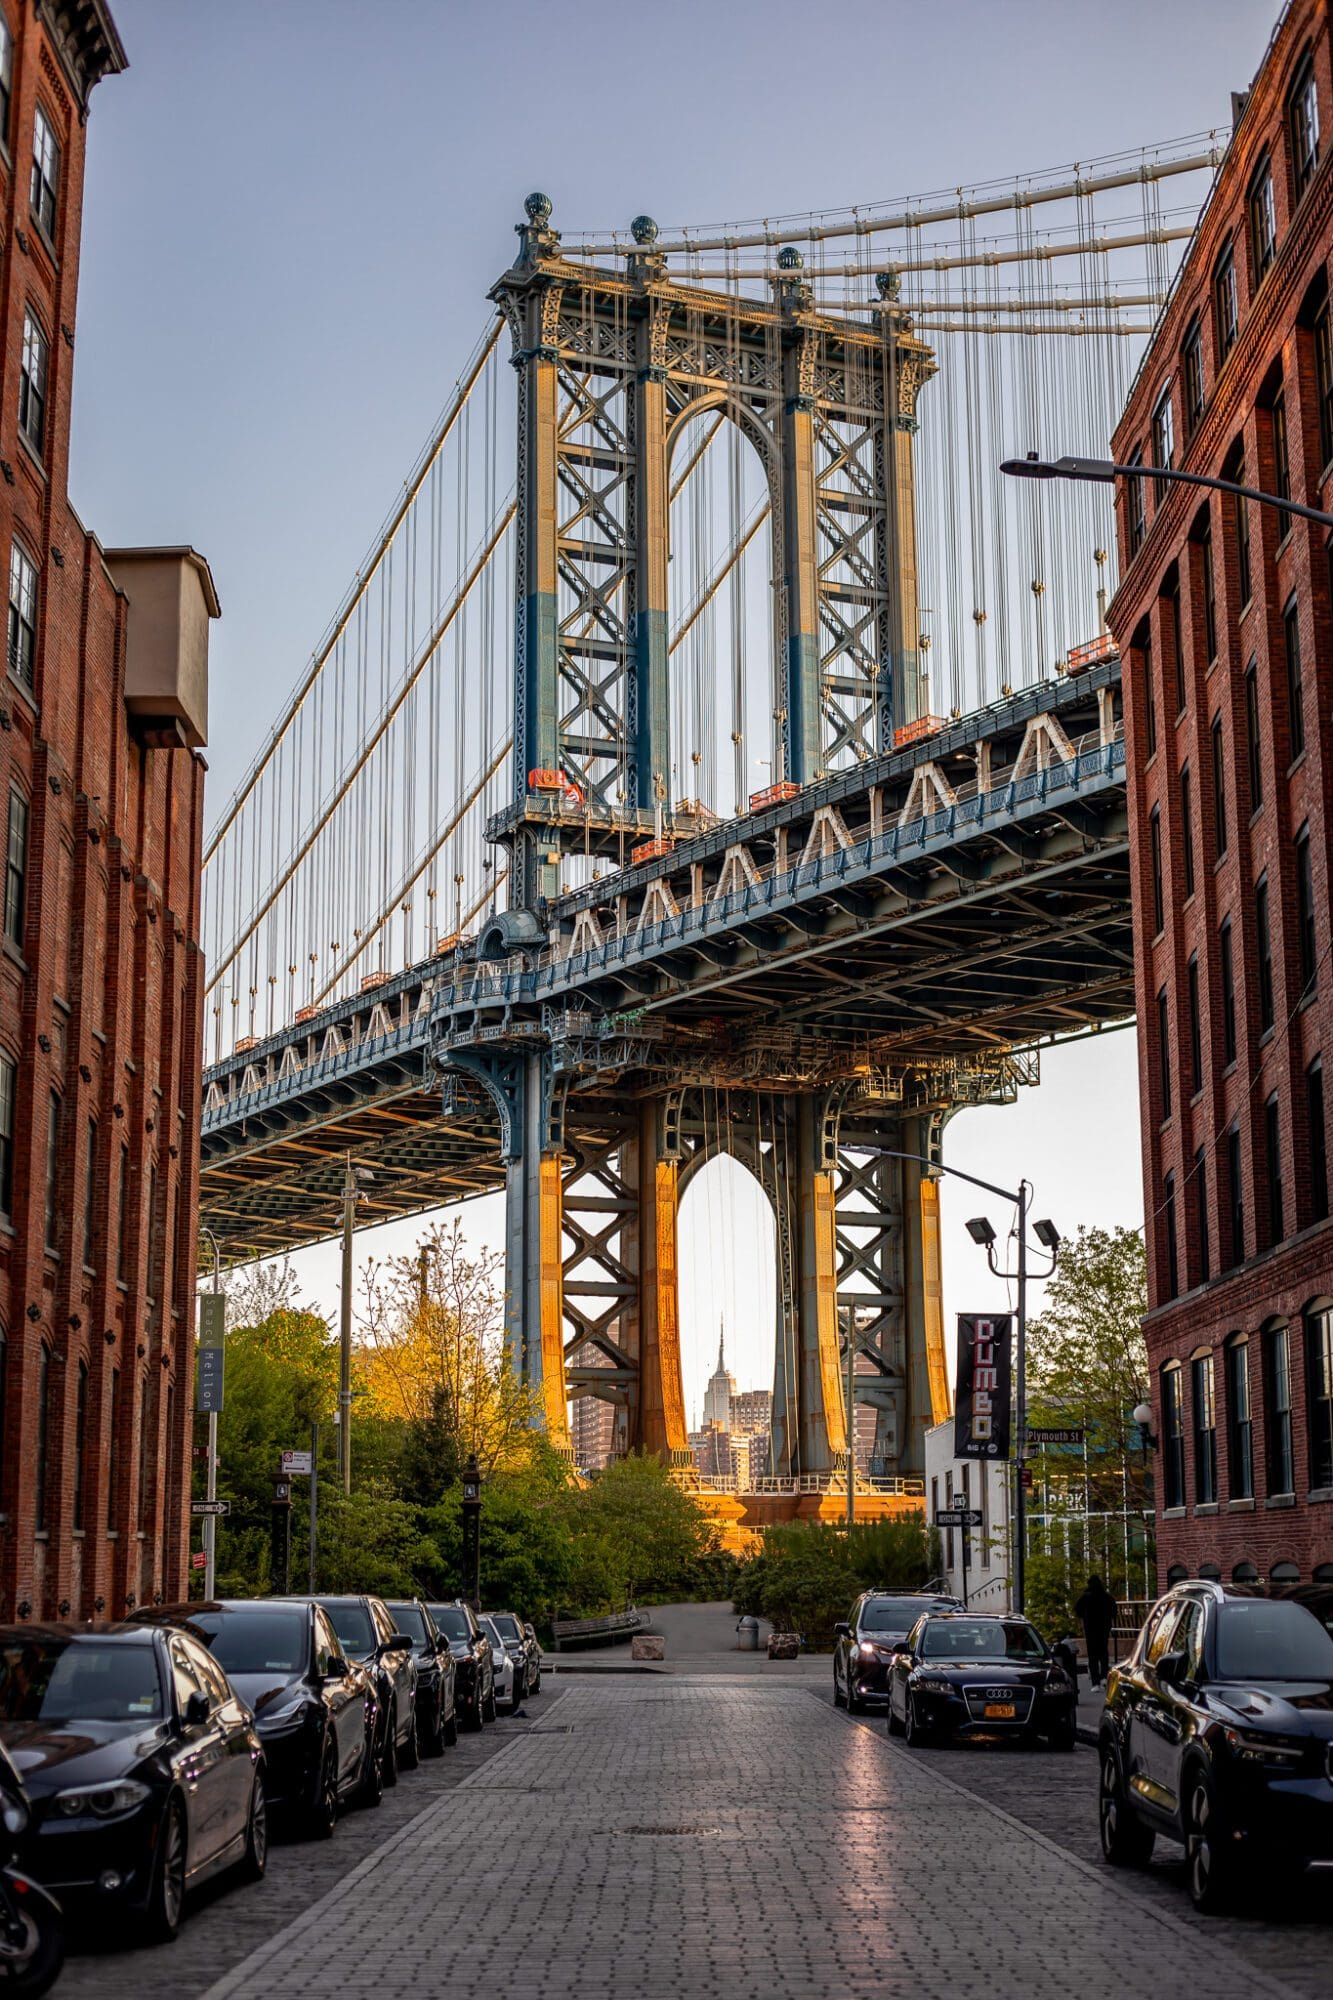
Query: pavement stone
700	1836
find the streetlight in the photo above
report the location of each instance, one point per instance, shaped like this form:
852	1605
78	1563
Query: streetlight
351	1195
1105	471
981	1232
211	1470
472	1532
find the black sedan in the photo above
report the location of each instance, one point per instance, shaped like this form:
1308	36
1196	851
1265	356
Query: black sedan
437	1676
315	1711
959	1673
472	1658
367	1634
142	1765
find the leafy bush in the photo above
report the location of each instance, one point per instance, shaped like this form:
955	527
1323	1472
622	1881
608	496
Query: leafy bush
805	1576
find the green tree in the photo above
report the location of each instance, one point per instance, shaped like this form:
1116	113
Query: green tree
281	1376
648	1532
1088	1364
806	1575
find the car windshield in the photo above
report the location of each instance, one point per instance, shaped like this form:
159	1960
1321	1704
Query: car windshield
410	1619
508	1628
1262	1641
452	1620
889	1614
256	1642
488	1627
980	1639
79	1680
351	1622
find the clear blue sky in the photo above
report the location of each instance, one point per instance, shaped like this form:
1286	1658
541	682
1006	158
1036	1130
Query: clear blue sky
294	209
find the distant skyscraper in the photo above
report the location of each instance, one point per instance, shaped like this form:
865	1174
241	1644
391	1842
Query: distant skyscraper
720	1390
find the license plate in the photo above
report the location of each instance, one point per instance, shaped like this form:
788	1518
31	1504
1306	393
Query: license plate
999	1711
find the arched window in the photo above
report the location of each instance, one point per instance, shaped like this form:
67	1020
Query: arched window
43	1434
1176	1574
1303	126
1173	1437
1277	1410
1245	1572
1319	1392
1204	1403
1240	1425
1210	1572
1284	1572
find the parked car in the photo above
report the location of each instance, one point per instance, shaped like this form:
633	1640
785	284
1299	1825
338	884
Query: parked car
961	1673
514	1638
315	1711
32	1923
367	1634
506	1667
475	1686
1218	1731
866	1640
142	1764
437	1677
534	1658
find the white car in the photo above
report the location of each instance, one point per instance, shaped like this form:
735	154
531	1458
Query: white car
505	1666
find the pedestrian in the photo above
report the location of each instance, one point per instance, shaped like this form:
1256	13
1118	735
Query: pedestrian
1096	1610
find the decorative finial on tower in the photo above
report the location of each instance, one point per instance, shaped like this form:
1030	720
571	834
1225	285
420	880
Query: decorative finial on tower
537	208
793	291
644	230
790	258
538	238
889	285
646	261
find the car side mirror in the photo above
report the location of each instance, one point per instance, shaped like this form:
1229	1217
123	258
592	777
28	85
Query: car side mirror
842	1630
196	1709
1171	1669
337	1668
398	1642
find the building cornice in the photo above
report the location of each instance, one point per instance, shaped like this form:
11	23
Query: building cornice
86	41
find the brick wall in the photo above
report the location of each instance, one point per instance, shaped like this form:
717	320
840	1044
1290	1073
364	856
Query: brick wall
100	995
1191	673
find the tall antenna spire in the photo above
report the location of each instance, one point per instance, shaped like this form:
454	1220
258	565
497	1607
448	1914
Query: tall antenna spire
721	1345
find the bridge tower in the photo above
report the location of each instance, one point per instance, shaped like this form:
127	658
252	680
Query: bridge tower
611	366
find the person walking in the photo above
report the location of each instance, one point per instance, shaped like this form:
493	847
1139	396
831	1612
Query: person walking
1096	1611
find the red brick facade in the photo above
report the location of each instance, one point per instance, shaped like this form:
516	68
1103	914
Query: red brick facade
100	1001
1229	721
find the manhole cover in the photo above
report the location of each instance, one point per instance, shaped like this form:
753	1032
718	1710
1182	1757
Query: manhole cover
552	1729
681	1830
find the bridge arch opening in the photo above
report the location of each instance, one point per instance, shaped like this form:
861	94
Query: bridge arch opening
722	582
728	1277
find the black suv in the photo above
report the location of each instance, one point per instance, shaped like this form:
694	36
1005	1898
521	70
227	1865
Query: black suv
971	1673
475	1687
867	1639
1218	1731
437	1677
367	1633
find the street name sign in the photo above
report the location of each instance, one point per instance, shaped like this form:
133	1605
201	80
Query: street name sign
958	1517
210	1506
295	1464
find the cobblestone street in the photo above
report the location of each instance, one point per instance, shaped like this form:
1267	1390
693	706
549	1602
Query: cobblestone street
698	1836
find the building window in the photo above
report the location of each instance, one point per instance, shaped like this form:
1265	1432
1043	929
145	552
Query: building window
145	1488
1235	1196
52	1222
16	870
1303	127
1242	524
1163	441
1291	634
45	174
1273	1161
1240	1428
1281	454
1177	646
1191	376
1263	223
1209	592
1314	1119
89	1193
1155	842
1196	1025
1205	1430
41	1468
113	1455
1201	1212
1149	698
80	1441
1323	375
1169	1231
1187	829
6	78
1225	317
1264	948
1164	1051
1173	1437
22	616
32	384
1277	1414
1252	737
1219	790
1305	935
123	1215
1136	508
1228	991
8	1091
1319	1390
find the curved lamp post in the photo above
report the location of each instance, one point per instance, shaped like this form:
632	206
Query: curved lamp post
1105	472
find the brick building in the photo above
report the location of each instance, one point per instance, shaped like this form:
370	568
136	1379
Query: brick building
102	710
1225	620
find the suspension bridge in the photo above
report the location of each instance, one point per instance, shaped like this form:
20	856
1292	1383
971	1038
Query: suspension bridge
710	756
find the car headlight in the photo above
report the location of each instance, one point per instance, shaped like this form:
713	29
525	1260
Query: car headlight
285	1721
101	1801
1254	1748
1057	1681
932	1684
868	1650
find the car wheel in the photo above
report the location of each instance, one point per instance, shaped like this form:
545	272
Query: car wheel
32	1955
371	1789
1209	1867
837	1687
1126	1841
449	1729
917	1736
895	1726
255	1859
489	1710
434	1740
389	1754
321	1815
520	1690
166	1897
410	1754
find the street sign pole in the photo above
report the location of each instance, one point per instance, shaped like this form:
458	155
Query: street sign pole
212	1311
314	1500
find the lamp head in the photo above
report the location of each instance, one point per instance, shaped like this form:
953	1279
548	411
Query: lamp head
1047	1234
980	1231
1142	1414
